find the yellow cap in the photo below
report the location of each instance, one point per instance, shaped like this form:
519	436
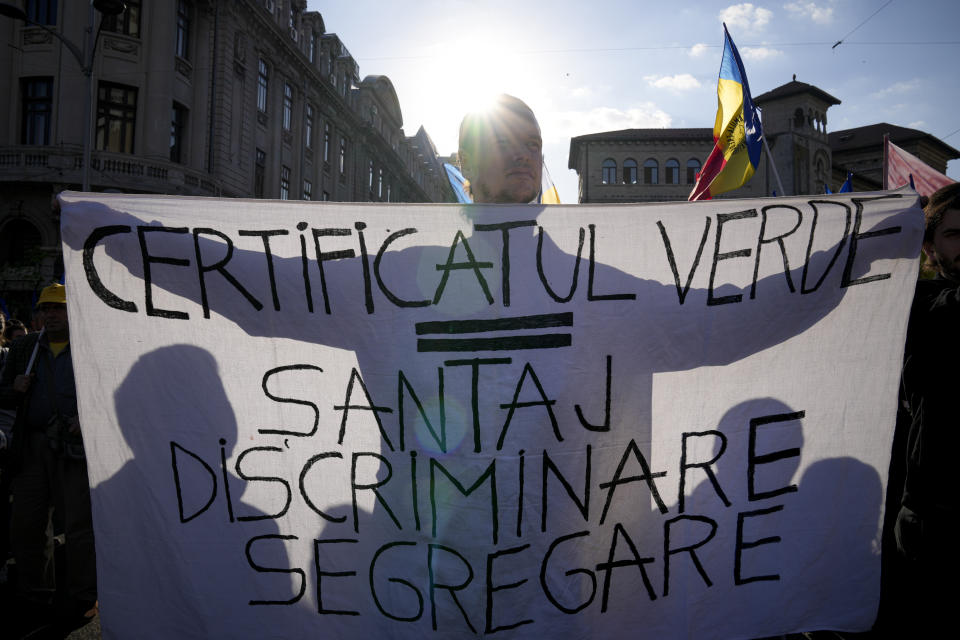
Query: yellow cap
55	293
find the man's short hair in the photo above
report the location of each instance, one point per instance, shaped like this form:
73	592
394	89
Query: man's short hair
12	326
942	200
474	124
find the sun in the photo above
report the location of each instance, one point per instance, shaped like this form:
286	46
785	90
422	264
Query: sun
477	70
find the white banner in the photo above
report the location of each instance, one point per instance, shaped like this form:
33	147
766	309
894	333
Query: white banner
343	420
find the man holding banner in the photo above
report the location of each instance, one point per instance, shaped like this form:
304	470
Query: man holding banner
402	421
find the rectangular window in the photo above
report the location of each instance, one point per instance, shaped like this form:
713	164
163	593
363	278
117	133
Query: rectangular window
343	155
259	171
313	47
307	190
325	196
650	172
370	176
178	124
608	173
42	11
37	108
388	193
308	127
116	117
287	106
183	29
380	183
127	23
326	142
284	183
263	80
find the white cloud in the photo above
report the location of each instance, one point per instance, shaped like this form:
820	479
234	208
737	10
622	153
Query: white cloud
679	82
917	125
563	125
581	92
811	10
698	49
746	16
898	88
757	54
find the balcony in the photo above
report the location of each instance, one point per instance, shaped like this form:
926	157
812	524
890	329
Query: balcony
114	171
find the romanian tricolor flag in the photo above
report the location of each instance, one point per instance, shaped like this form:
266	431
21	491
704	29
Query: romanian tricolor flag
548	190
737	134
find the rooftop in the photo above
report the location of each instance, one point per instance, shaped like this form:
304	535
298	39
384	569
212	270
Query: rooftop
872	135
792	88
647	134
704	134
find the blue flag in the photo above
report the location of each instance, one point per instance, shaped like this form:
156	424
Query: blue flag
847	185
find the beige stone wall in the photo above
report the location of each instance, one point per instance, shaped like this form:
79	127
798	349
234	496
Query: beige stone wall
217	85
592	154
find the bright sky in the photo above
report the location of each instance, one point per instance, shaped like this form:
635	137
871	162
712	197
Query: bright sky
591	67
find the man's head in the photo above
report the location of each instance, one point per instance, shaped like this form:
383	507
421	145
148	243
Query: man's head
11	331
52	305
941	239
501	152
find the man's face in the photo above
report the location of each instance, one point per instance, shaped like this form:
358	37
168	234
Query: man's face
54	316
508	160
944	251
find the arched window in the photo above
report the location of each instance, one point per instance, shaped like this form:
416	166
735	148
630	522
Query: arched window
651	170
672	172
609	171
693	168
19	241
629	171
821	171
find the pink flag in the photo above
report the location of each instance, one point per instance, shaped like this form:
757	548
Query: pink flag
900	165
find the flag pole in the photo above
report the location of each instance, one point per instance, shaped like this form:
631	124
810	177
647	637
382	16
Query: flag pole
886	141
773	166
776	174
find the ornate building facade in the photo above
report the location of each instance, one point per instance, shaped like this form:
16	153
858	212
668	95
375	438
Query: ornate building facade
650	165
225	98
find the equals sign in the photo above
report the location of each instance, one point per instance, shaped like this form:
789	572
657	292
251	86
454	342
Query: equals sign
521	339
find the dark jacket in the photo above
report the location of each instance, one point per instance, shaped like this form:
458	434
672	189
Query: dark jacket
53	390
930	384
